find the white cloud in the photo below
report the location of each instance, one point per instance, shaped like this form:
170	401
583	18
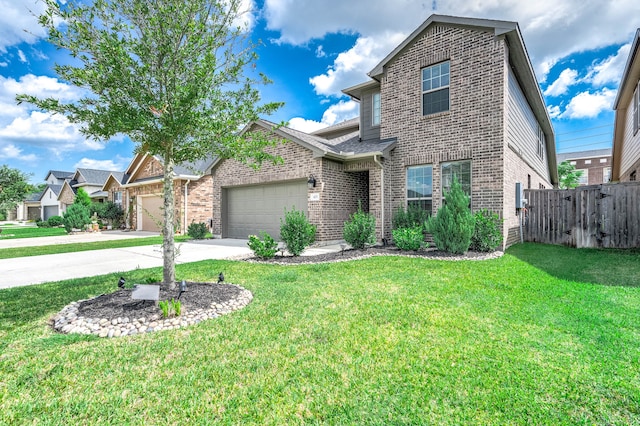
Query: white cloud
350	67
336	113
11	151
610	69
554	111
89	163
589	105
552	29
567	78
21	56
320	53
19	23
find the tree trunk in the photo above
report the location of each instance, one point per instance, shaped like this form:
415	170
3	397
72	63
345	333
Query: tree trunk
168	244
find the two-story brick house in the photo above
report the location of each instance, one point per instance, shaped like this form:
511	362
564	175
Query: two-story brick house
457	97
626	133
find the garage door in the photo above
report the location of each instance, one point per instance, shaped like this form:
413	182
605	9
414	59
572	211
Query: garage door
50	211
251	209
151	215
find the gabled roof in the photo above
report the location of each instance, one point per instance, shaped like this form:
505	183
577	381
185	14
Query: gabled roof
518	57
119	177
346	126
91	177
630	78
188	170
54	188
58	174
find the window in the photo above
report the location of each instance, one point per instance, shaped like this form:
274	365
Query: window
435	88
375	106
632	176
606	174
636	109
603	160
117	198
420	187
584	179
541	141
587	161
459	169
573	163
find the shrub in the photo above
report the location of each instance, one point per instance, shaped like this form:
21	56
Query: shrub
453	225
296	231
42	223
412	217
197	231
76	216
54	221
486	232
83	198
409	238
360	230
265	248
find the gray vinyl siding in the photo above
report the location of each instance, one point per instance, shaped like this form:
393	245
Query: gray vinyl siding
368	131
631	146
522	129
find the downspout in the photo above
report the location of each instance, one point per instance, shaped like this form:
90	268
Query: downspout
375	160
186	204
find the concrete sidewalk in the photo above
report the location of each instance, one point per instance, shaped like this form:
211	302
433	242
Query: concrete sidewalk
84	237
55	267
24	271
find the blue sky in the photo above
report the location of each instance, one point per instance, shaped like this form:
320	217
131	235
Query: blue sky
312	49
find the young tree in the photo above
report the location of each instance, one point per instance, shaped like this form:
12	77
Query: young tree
568	176
82	198
176	77
14	187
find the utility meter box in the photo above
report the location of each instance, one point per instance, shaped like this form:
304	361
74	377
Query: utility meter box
520	200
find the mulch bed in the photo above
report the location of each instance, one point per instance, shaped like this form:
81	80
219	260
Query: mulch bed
352	254
120	304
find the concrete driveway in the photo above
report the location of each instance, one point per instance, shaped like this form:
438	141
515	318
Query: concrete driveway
55	267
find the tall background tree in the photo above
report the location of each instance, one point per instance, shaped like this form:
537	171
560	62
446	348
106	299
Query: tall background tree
14	187
175	76
568	176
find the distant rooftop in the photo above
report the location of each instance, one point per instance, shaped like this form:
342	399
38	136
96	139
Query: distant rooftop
577	155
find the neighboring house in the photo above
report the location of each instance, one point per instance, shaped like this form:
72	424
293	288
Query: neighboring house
595	165
57	177
141	196
29	209
457	97
49	202
626	137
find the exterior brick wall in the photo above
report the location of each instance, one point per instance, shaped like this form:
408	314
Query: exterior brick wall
66	198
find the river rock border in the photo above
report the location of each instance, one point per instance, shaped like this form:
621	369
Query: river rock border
68	321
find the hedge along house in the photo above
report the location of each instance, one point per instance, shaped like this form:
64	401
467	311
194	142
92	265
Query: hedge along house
141	195
457	97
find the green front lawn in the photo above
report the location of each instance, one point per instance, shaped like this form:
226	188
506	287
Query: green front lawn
385	340
12	232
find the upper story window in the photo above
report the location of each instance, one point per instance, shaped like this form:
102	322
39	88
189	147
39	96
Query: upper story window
541	142
435	88
636	109
375	107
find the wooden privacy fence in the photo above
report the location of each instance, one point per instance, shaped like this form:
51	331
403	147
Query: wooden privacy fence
606	215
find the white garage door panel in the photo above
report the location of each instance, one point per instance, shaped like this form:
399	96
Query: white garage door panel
50	211
251	209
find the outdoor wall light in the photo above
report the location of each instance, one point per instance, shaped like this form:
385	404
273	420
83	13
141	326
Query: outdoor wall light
311	182
183	286
121	282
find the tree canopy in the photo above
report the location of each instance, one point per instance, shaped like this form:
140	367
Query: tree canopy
568	176
14	187
177	77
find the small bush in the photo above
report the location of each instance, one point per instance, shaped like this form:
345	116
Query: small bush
76	217
453	225
265	248
197	231
412	217
54	221
409	238
486	232
42	223
360	230
296	231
